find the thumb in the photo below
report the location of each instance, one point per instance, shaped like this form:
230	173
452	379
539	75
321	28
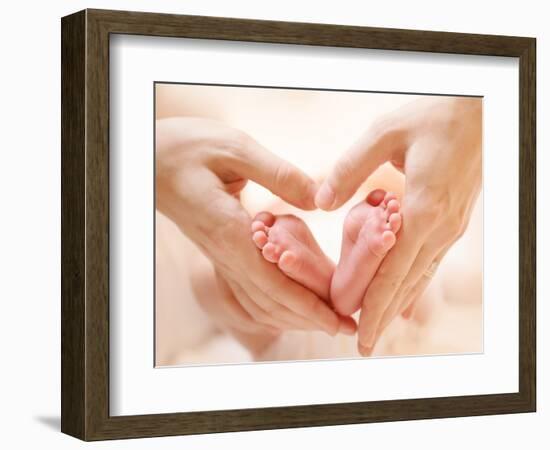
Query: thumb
353	168
283	179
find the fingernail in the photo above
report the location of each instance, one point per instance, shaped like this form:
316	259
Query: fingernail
313	189
367	342
348	328
366	351
325	197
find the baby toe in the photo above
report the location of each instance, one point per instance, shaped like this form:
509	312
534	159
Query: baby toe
380	244
258	225
260	239
389	197
376	197
266	217
394	222
289	262
392	206
271	252
388	240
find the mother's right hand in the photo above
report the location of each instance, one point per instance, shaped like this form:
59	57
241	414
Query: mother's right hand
201	167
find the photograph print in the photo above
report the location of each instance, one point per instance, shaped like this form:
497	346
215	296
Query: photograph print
308	224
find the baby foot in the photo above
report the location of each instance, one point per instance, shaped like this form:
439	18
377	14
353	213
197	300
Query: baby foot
369	233
286	241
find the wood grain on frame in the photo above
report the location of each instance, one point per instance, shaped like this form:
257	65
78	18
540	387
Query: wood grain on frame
85	224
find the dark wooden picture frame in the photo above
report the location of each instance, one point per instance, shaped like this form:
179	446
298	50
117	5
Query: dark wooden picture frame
85	224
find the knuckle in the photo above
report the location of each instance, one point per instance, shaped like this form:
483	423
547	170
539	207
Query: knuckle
380	127
433	209
229	231
236	139
454	227
231	145
457	227
386	128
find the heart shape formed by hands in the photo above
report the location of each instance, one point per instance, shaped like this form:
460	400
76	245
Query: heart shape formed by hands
369	232
202	165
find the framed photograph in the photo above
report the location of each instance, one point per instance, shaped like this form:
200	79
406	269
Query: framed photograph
273	225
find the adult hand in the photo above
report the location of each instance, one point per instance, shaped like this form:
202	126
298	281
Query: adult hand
437	144
201	167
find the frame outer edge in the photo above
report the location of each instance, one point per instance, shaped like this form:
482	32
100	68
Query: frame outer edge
73	225
96	243
528	238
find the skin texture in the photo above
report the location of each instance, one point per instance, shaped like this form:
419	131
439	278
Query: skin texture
437	144
201	167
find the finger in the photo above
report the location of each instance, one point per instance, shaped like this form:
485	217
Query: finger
275	293
353	168
239	317
382	289
410	300
256	312
399	305
348	325
281	290
301	301
302	307
282	178
419	271
410	307
280	312
364	351
278	294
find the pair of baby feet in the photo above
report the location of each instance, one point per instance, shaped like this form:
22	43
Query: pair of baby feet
369	233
